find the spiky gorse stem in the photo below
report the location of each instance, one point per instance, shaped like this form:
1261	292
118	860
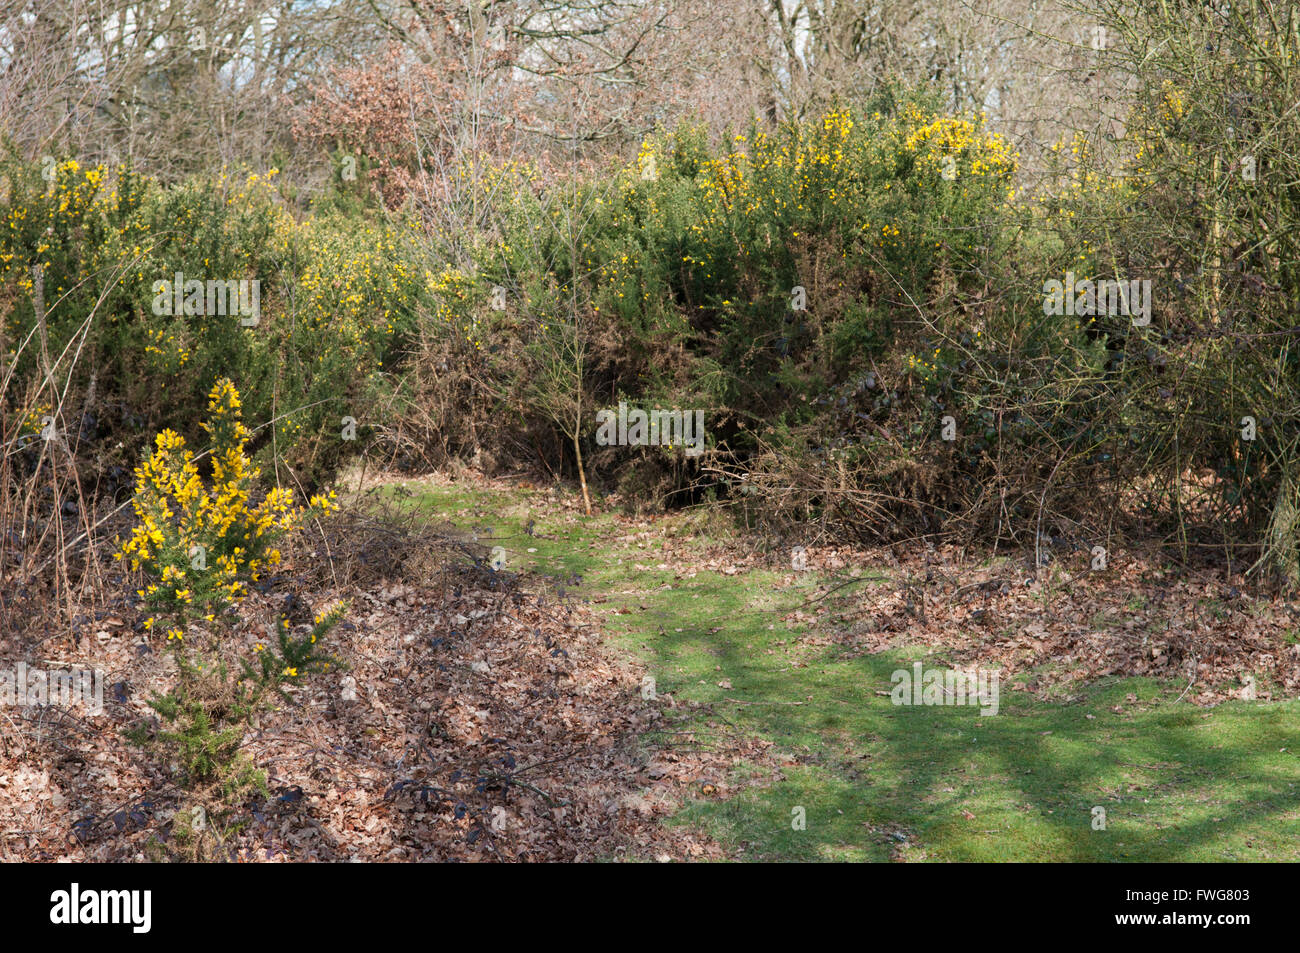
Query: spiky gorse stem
202	543
297	656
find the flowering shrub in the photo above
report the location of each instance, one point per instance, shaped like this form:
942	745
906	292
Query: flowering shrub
700	252
671	280
200	544
338	298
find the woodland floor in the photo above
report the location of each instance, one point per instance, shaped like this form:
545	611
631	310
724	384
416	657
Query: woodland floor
670	689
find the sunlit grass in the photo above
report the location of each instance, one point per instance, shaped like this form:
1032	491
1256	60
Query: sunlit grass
1177	782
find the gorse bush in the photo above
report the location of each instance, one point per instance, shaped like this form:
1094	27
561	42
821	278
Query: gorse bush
336	303
1196	418
762	281
200	543
820	287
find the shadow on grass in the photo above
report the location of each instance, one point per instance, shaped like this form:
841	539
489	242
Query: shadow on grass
943	782
875	780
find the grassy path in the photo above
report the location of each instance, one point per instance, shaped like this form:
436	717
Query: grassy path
878	781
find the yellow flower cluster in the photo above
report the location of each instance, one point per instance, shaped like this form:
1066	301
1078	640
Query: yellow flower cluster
1152	128
351	279
926	369
32	419
203	542
70	196
1172	103
645	160
936	139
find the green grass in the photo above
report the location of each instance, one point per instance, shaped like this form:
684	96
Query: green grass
875	780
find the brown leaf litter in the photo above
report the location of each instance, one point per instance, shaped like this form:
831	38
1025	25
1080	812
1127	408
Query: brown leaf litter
476	718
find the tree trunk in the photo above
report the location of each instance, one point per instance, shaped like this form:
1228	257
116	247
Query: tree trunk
582	475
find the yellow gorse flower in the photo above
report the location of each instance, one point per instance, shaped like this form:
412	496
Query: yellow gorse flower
203	542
